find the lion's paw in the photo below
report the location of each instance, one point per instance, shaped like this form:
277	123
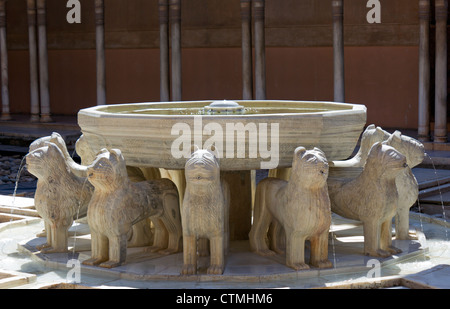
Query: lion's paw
266	252
110	264
379	253
323	264
215	270
394	250
189	269
299	266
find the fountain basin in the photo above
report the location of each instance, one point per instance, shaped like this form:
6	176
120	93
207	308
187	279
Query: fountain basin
264	135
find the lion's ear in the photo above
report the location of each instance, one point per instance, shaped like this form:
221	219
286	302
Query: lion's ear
116	154
213	150
376	147
395	137
194	148
299	152
52	147
380	130
55	135
370	127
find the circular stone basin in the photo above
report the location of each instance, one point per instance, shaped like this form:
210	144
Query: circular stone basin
259	135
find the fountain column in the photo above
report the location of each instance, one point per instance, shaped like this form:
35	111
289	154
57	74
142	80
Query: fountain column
247	62
440	127
34	84
175	29
424	71
338	50
4	63
43	61
260	49
163	9
100	51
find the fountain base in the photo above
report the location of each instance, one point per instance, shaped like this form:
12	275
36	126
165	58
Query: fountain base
345	243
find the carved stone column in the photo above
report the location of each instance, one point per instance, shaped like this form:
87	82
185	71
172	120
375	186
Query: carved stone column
32	46
424	71
4	63
247	62
260	49
440	127
100	51
43	61
338	50
164	49
175	29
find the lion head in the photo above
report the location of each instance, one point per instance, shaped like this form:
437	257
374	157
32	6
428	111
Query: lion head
371	135
202	167
55	138
408	146
108	169
84	151
45	160
310	167
384	160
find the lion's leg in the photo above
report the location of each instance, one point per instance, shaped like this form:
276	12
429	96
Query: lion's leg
48	235
402	225
174	242
217	264
319	251
258	234
99	245
117	251
141	234
277	237
226	205
386	238
172	222
189	255
161	237
295	250
372	234
261	223
59	242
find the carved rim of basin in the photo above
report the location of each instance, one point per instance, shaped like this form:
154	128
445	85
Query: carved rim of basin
147	132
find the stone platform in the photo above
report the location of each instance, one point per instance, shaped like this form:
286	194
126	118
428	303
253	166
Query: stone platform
345	252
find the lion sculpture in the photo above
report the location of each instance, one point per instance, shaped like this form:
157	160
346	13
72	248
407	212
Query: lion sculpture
61	195
58	140
301	206
406	182
141	234
371	198
204	211
117	204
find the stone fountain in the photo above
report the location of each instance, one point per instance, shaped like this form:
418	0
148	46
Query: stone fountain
250	135
145	142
